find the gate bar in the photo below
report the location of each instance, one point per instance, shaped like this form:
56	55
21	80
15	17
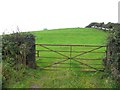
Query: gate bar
71	45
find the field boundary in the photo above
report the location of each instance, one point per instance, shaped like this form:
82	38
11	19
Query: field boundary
70	57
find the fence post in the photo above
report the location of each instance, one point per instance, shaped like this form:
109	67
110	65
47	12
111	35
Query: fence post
37	53
70	55
31	60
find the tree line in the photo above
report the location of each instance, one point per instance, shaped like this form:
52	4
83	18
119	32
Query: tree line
103	26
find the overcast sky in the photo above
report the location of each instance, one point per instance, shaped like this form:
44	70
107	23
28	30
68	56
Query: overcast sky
32	15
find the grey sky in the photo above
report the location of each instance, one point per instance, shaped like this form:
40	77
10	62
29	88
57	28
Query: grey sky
32	15
119	12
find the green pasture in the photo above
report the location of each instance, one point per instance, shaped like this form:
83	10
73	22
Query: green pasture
68	77
82	36
71	36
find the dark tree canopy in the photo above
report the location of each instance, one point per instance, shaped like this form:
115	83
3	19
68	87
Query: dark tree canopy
102	25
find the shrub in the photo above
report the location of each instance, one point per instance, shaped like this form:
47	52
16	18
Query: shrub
113	53
20	47
18	52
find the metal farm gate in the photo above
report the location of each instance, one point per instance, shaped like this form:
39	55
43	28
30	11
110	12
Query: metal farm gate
70	57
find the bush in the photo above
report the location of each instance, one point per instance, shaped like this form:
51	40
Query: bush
18	52
113	53
19	48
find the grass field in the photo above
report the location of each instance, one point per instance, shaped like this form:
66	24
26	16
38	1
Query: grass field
65	78
71	36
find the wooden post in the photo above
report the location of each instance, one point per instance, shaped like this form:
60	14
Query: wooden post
37	53
70	55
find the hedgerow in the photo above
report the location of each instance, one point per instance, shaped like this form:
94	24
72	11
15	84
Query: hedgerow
18	53
113	53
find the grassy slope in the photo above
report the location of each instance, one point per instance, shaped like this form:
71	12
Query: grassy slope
67	79
71	36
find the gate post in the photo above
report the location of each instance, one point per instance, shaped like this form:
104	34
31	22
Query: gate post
31	56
